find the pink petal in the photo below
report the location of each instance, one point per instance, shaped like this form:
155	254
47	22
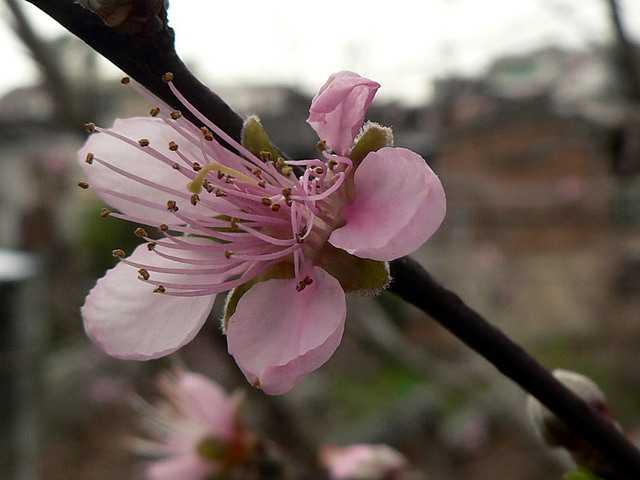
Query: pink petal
181	467
139	162
278	335
127	320
338	110
208	403
399	204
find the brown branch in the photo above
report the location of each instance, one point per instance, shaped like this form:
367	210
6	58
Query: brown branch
413	284
145	54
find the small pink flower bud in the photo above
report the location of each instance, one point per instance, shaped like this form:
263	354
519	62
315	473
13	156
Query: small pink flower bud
363	462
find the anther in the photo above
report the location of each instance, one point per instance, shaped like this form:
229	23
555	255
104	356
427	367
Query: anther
151	246
332	164
234	223
286	192
154	111
195	198
176	114
144	274
105	212
262	183
208	137
89	158
196	167
159	289
275	207
228	253
163	227
220	193
172	206
304	283
175	166
321	145
287	170
83	185
265	156
167	77
288	202
265	201
173	146
90	127
280	163
318	170
206	184
143	142
140	232
257	172
125	80
220	175
118	253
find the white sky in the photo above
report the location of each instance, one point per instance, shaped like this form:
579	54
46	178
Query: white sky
402	44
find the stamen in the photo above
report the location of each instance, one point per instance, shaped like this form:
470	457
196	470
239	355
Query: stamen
140	232
105	212
125	80
154	112
195	186
159	289
90	127
118	252
144	274
173	146
89	158
83	185
172	206
167	77
304	283
143	142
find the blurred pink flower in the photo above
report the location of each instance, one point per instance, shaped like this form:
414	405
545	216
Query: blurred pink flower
194	431
363	462
231	220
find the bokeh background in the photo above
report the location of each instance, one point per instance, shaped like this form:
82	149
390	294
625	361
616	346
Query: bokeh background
530	113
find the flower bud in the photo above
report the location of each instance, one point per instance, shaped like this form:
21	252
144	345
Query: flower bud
363	462
553	430
556	433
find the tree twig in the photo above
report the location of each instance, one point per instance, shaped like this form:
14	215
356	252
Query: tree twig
413	284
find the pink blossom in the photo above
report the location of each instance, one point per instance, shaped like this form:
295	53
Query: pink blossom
338	110
194	431
286	245
363	462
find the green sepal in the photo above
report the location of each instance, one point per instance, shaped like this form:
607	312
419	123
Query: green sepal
281	270
256	140
583	474
373	138
355	274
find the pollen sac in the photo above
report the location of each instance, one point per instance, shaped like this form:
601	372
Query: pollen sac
143	142
144	274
